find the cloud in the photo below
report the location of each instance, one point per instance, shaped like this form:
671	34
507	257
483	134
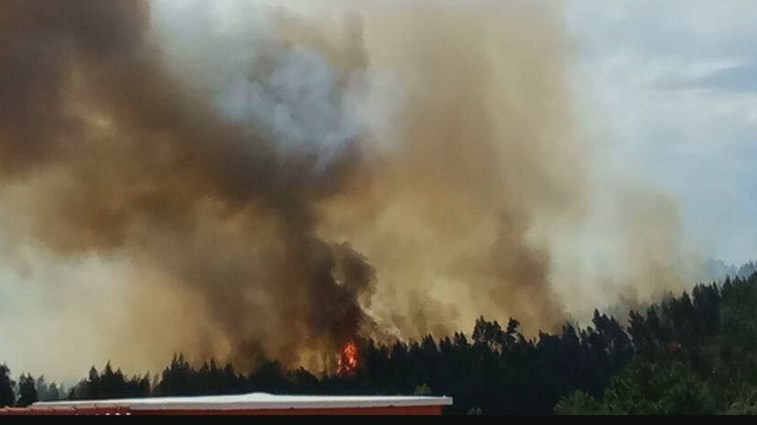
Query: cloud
737	79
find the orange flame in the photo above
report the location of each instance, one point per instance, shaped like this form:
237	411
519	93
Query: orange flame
348	360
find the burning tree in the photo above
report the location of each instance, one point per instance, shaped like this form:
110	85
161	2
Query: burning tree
348	360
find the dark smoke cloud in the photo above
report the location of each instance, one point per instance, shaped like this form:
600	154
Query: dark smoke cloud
38	38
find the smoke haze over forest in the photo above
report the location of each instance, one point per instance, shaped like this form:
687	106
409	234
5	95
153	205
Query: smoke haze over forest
258	179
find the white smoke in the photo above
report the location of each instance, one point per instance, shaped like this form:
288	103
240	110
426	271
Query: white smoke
255	79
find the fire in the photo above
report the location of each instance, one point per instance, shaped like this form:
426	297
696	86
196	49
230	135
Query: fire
348	360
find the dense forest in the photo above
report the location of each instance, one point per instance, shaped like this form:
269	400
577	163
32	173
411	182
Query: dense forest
691	353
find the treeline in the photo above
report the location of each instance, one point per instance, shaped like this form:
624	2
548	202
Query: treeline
497	370
692	354
695	353
27	390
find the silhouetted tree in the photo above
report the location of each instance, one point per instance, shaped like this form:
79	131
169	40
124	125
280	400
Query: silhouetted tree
27	391
7	396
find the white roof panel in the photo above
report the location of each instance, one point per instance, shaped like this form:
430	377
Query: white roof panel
257	401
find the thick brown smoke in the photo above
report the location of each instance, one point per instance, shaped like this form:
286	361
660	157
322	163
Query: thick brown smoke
409	208
112	155
484	146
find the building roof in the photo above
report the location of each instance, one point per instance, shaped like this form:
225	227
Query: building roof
255	401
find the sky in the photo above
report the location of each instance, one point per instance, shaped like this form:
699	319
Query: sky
673	84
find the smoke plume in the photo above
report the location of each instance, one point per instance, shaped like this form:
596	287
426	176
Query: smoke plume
242	180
